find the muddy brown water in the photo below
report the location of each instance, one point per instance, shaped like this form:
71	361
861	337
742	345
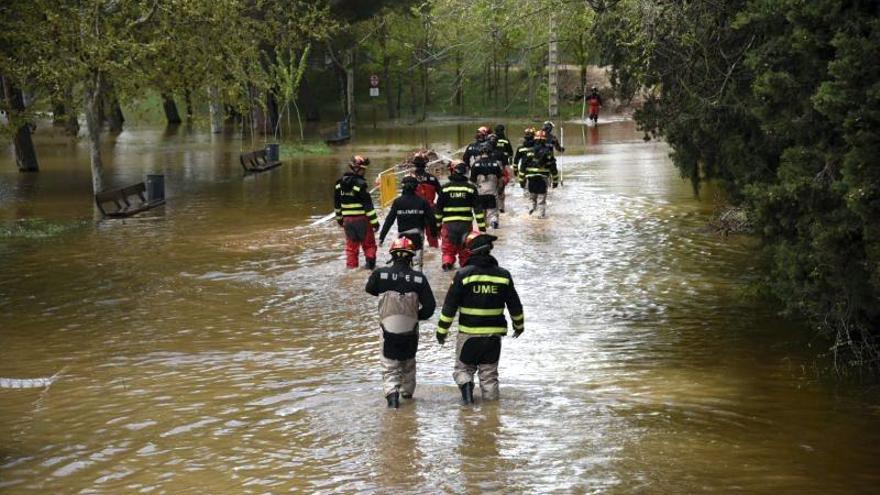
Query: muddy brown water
218	345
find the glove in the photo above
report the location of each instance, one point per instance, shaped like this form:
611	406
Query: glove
441	337
517	333
375	228
562	149
339	221
554	185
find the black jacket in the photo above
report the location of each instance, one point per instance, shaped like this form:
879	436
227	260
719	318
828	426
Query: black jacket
402	278
479	292
487	166
542	164
523	155
505	147
471	153
411	212
351	198
458	202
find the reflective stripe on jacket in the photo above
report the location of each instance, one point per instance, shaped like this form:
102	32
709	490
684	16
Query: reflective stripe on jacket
479	293
351	198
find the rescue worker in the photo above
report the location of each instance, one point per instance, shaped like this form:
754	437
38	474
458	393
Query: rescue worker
503	143
428	189
473	149
504	148
551	139
457	206
414	217
595	102
355	213
524	154
405	297
488	174
479	292
539	170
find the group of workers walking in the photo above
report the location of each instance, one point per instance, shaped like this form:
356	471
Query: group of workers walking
427	211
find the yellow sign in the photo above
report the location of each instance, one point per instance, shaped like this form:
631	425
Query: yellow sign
387	189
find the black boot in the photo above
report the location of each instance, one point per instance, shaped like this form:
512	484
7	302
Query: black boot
393	400
467	393
370	264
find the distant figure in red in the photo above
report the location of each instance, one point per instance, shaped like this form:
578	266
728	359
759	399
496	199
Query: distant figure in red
355	213
595	102
428	189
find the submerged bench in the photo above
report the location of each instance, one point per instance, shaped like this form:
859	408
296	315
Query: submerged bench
128	201
256	161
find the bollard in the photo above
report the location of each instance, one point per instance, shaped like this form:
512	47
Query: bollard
273	152
155	187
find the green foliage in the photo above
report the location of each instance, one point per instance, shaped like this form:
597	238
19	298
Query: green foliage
290	150
779	101
35	228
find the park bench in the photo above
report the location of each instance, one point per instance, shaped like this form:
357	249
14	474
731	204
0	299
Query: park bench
256	161
342	135
128	201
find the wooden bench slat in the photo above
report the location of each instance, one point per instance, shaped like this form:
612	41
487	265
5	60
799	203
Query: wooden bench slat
120	199
256	161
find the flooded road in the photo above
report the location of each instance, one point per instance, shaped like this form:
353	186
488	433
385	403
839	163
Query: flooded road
218	345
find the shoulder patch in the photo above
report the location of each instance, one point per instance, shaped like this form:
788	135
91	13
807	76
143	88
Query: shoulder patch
418	279
383	275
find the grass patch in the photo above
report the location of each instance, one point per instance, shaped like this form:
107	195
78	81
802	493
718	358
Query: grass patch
289	150
34	228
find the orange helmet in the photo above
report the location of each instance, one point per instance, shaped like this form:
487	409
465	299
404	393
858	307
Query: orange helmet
358	162
478	242
540	135
482	132
402	247
529	132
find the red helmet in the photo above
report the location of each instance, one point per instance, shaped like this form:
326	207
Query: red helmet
402	247
458	166
478	241
359	162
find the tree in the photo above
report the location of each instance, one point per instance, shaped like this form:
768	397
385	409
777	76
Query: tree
781	108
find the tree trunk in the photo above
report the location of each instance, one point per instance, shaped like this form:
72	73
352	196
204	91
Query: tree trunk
531	77
25	154
187	98
413	103
386	70
399	94
59	113
170	107
506	87
349	84
93	128
116	117
272	116
426	97
216	111
459	83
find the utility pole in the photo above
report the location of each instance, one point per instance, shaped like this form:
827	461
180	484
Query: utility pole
553	72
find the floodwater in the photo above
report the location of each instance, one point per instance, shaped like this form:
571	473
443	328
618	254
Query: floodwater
218	345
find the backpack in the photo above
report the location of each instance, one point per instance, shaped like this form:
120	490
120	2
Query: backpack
399	313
